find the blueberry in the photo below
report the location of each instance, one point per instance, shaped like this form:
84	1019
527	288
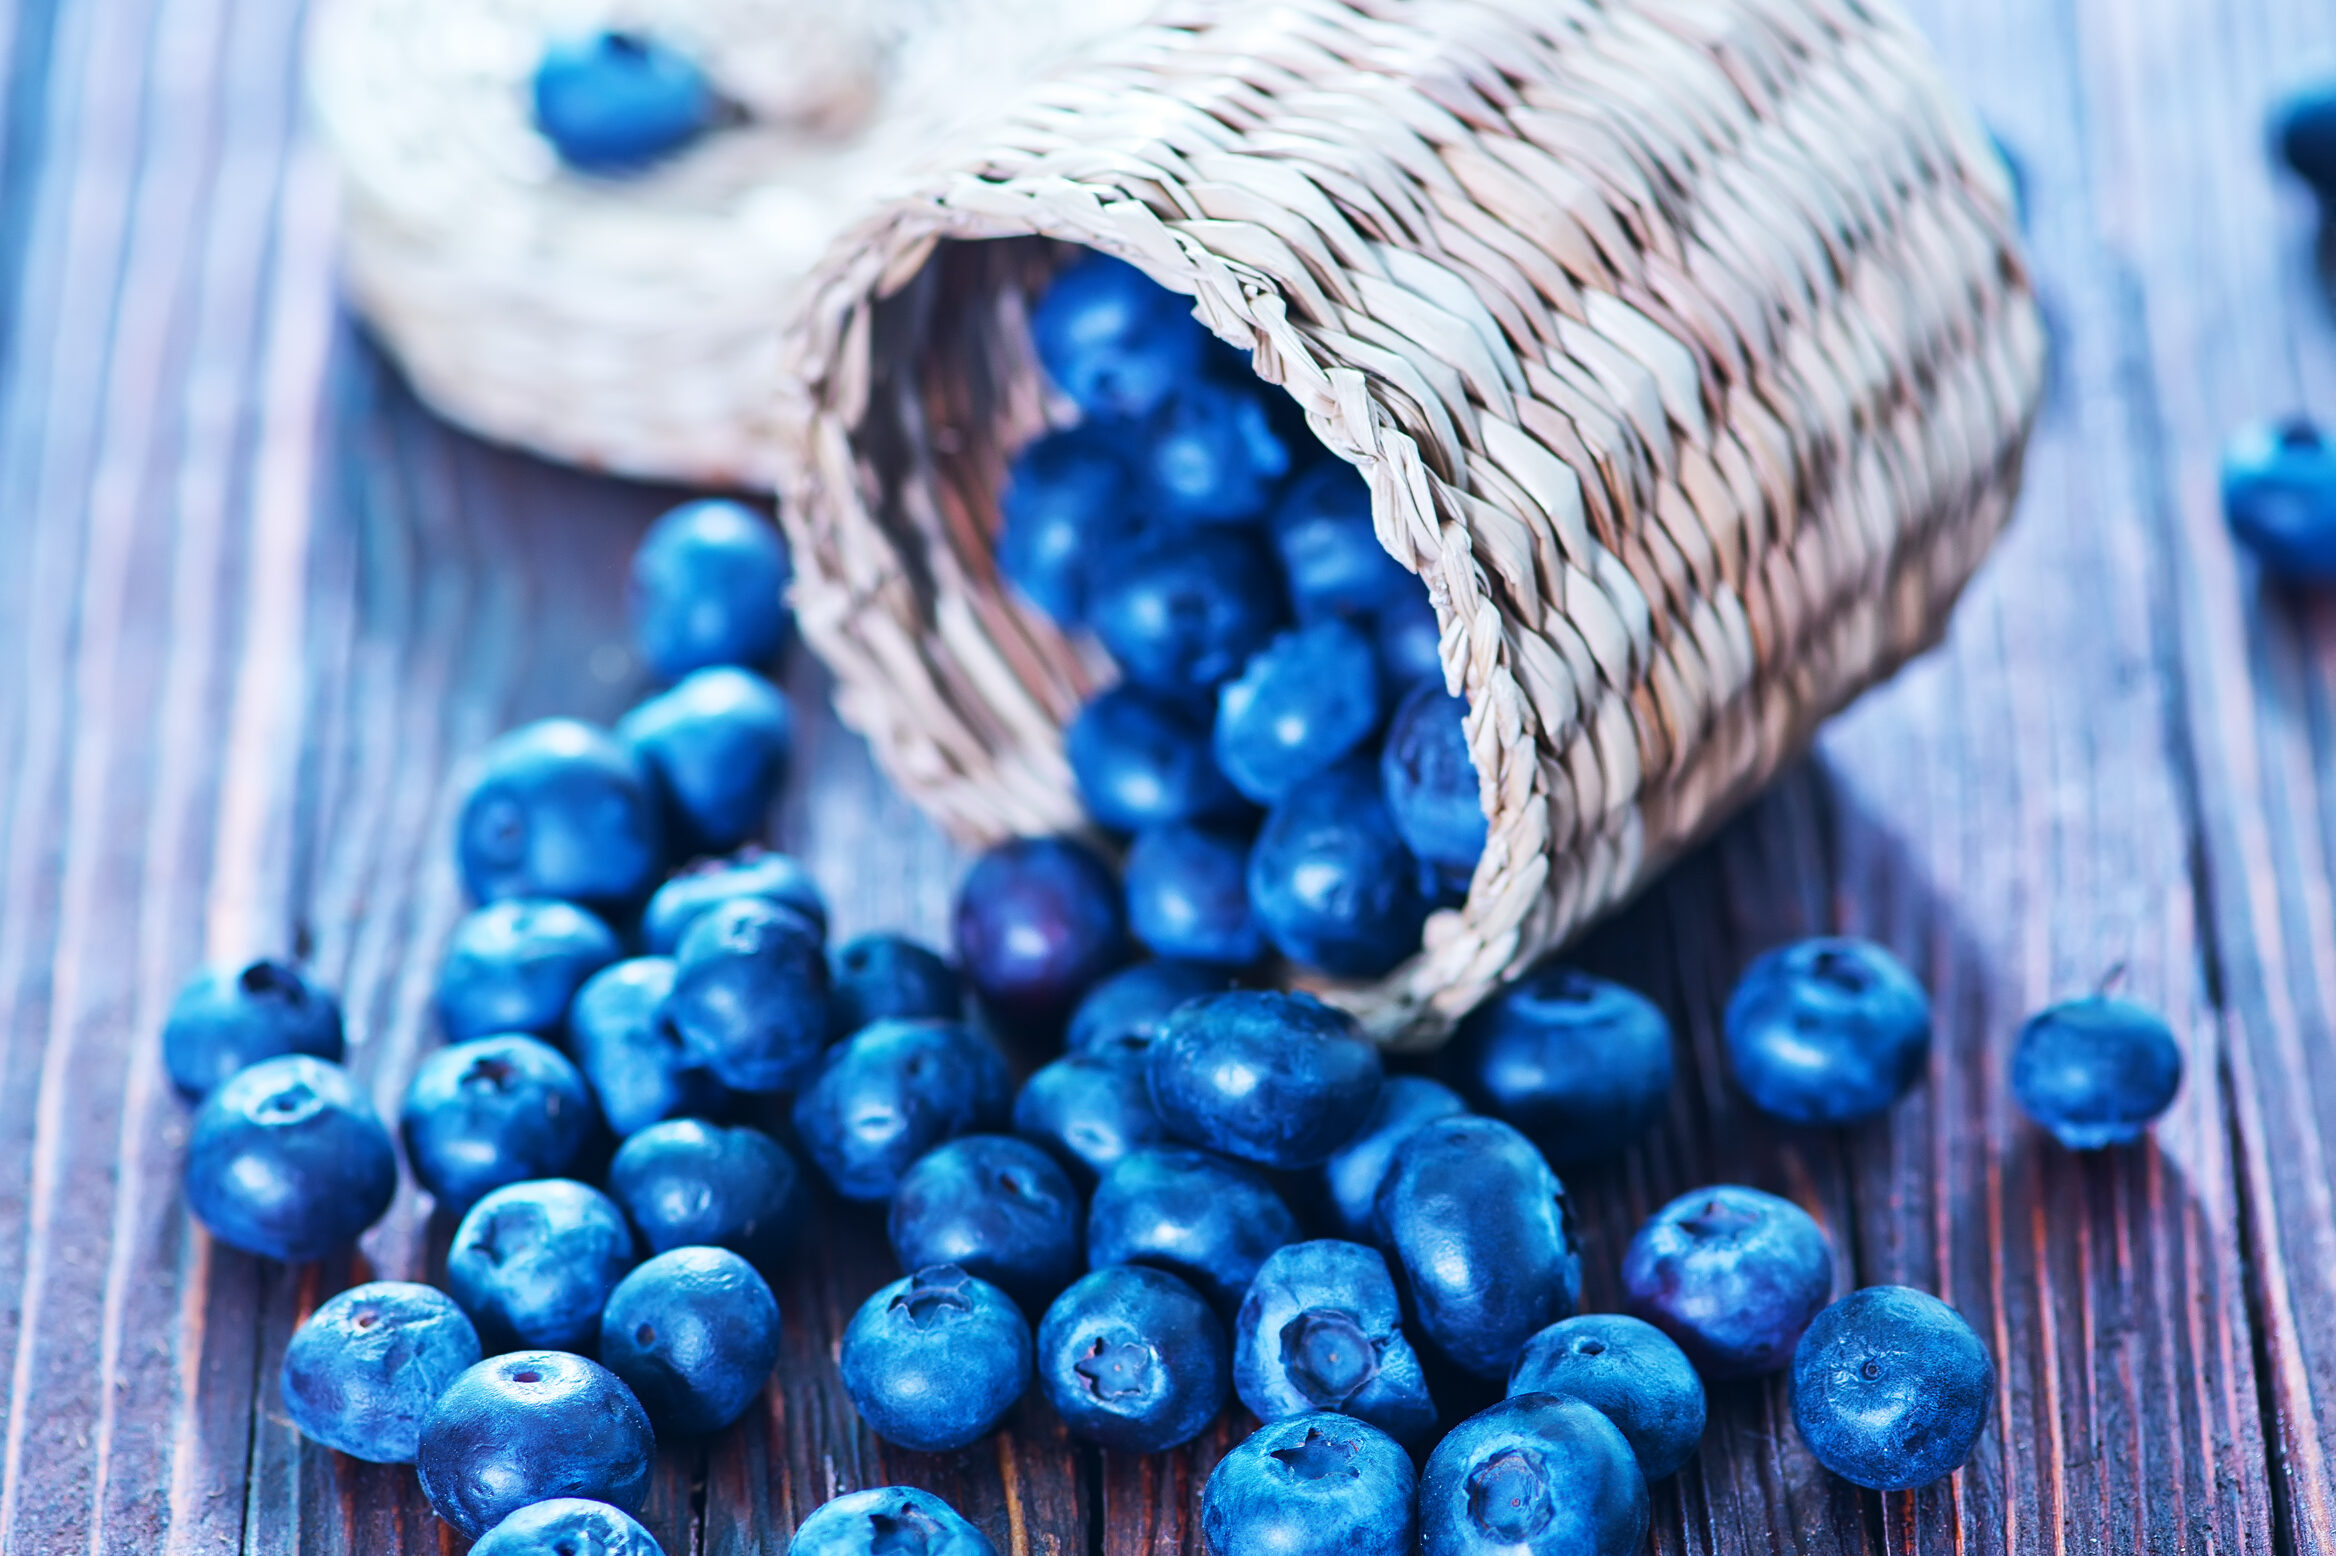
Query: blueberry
568	1526
750	995
1535	1475
1124	1012
890	978
1891	1388
1321	1329
626	1045
1581	1065
514	966
1184	611
888	1521
1430	779
1132	1358
1301	704
616	102
1143	760
891	1092
1732	1274
1113	339
1332	880
226	1018
1089	1109
715	747
529	1426
1477	1223
1070	499
693	1332
1188	895
1199	1216
1329	550
2303	128
492	1111
1038	921
1355	1170
559	809
2279	497
935	1360
998	1208
364	1369
1827	1031
287	1160
751	872
1629	1369
1313	1485
1409	640
1211	455
2096	1072
686	1183
533	1263
1278	1079
709	586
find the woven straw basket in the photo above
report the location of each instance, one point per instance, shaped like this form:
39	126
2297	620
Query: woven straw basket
1685	344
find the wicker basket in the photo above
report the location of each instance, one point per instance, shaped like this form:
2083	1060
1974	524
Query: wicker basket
1685	344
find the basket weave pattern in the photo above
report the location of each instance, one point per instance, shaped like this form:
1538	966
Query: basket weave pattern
1685	345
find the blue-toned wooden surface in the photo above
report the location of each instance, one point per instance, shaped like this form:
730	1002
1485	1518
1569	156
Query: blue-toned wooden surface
257	609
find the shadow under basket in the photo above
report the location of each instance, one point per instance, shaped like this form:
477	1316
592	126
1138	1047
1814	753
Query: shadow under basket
1685	344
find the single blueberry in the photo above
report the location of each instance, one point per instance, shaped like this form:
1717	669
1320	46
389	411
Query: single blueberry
1089	1109
568	1526
1124	1012
750	995
1133	1359
288	1160
1629	1369
492	1111
1827	1031
890	978
626	1045
226	1018
560	809
1430	779
888	1521
1278	1079
515	965
2096	1072
1478	1225
753	871
2279	497
891	1092
1188	895
715	747
1535	1475
362	1372
2303	129
1300	705
1143	760
1329	549
1184	611
686	1183
1070	499
615	102
1322	1329
1581	1065
1733	1274
1211	455
935	1360
1409	639
1352	1176
1891	1388
1113	339
1331	879
533	1263
1038	921
1312	1485
528	1426
998	1208
693	1332
709	587
1198	1216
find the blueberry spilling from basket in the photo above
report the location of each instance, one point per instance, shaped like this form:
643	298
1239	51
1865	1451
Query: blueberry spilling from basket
616	102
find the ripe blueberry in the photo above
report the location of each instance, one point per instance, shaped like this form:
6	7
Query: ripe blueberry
560	809
693	1332
1181	612
888	1521
1329	551
1070	500
1199	1216
514	966
998	1208
288	1160
1535	1475
1188	895
1211	455
1331	879
492	1111
1278	1079
1124	1012
750	995
615	102
891	1092
533	1263
362	1372
1321	1329
226	1018
1301	704
1113	339
753	871
528	1426
889	977
2096	1072
1312	1485
1089	1109
625	1043
935	1360
2279	497
1143	760
687	1183
1038	921
1891	1388
1132	1358
1352	1176
1629	1369
1581	1065
709	586
715	747
1430	779
568	1526
1732	1274
1827	1031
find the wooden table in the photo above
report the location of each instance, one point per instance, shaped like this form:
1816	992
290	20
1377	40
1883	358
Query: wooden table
257	610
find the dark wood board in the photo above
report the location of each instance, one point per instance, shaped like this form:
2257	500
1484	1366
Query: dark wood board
258	610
